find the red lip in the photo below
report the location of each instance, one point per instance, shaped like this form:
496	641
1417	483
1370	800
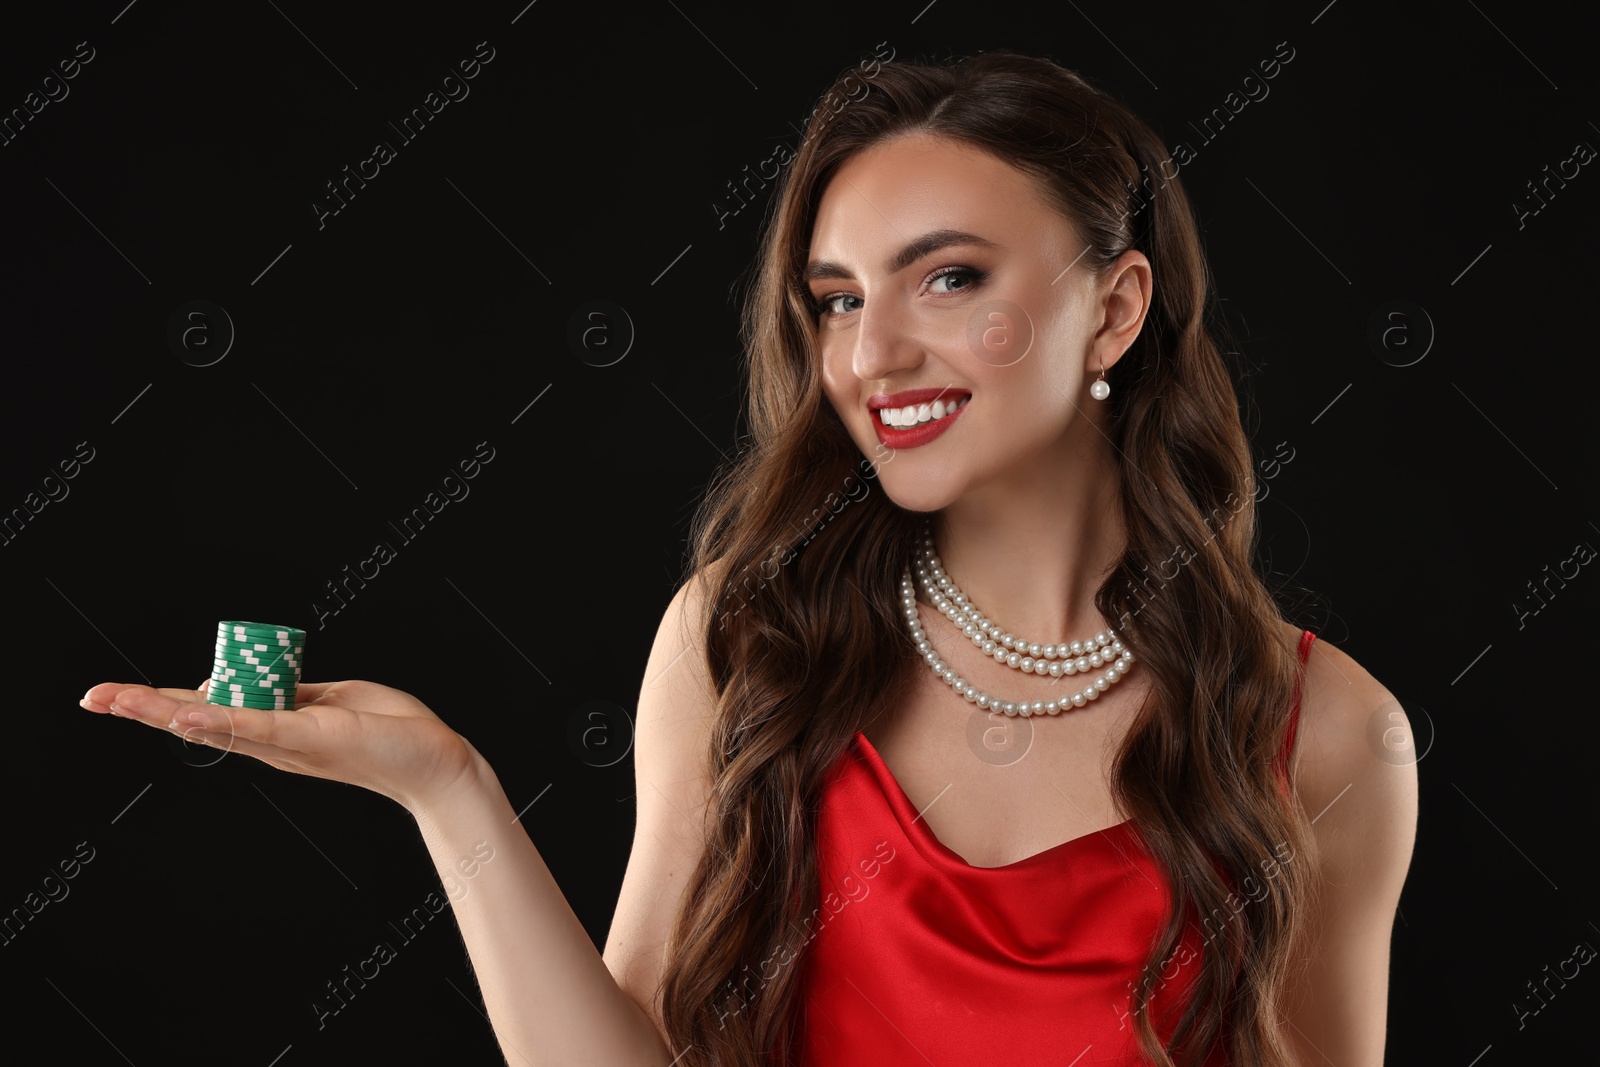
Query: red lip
894	437
914	396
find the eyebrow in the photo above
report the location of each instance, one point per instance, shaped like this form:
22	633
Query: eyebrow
925	245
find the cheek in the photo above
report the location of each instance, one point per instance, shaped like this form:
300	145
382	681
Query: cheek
838	382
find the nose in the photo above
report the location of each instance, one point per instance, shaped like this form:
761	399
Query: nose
884	342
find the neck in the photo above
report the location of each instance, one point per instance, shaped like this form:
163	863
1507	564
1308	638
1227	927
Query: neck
1033	562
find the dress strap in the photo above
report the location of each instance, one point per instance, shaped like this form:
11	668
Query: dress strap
1306	637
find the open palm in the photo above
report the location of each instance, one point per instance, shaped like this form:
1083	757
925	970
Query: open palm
357	732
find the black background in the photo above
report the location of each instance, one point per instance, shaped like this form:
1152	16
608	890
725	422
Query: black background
373	353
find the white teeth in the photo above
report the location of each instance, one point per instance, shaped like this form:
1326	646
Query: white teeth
914	414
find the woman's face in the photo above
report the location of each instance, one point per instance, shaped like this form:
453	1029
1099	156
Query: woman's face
944	278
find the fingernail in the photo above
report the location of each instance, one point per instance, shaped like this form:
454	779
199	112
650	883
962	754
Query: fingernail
86	694
116	709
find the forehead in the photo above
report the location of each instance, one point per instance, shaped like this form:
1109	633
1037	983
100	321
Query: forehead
886	195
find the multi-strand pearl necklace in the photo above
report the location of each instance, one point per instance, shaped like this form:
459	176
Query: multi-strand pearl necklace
1067	657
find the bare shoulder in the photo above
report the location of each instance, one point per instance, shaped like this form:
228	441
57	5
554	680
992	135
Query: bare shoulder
1354	750
1354	768
672	779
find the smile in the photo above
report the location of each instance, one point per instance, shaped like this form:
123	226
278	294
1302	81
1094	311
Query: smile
916	414
916	424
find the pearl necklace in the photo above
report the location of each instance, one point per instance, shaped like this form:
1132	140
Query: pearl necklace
1055	659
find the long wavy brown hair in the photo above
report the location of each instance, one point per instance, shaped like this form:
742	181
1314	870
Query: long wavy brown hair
804	630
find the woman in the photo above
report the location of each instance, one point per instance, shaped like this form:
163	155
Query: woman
1159	836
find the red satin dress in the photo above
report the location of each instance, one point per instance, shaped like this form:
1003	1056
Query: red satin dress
919	958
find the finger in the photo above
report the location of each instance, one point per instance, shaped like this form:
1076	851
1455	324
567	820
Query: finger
284	732
153	706
225	742
105	694
306	692
99	697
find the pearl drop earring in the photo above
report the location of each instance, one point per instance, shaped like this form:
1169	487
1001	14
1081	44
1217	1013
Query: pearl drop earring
1101	388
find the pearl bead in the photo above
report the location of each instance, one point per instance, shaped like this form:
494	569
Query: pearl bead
1056	660
1100	390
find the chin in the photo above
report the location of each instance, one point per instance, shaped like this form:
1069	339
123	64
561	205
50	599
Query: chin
920	494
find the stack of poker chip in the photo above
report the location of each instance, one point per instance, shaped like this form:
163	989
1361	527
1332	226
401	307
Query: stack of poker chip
257	665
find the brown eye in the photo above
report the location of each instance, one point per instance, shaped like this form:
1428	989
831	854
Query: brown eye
971	275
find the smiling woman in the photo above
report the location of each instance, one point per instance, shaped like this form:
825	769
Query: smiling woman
964	274
876	824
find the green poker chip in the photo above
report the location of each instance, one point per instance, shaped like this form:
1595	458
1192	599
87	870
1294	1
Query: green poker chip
237	626
271	683
256	665
263	660
249	670
266	690
259	647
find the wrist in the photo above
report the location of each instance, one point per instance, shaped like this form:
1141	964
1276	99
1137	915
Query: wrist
470	777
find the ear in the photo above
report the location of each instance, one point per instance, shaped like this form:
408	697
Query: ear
1124	295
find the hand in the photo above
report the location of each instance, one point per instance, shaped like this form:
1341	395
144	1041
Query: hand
357	732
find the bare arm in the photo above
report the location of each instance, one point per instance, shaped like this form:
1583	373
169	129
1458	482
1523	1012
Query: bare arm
1356	770
550	997
552	1000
